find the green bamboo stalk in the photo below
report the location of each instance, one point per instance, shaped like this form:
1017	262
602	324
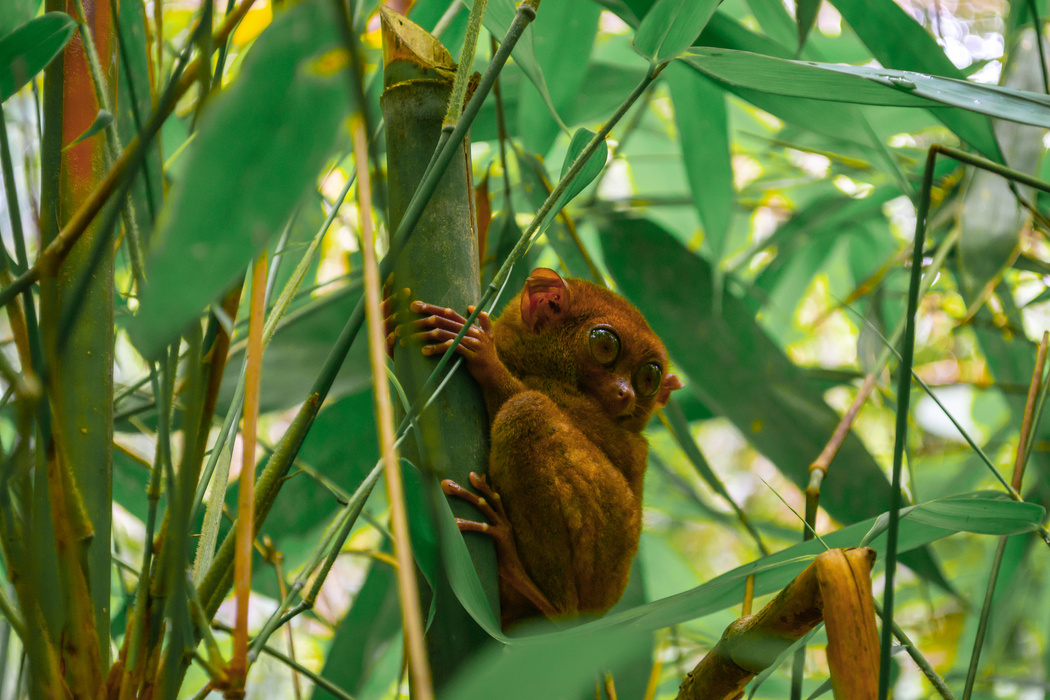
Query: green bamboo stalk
79	373
439	264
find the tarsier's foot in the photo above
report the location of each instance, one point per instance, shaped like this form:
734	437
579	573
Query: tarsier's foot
499	529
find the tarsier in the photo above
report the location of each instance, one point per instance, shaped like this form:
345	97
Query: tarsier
571	374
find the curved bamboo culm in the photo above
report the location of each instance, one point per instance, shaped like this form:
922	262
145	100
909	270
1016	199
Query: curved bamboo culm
835	589
440	265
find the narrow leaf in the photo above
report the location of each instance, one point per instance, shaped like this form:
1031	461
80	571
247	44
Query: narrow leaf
703	130
671	26
498	16
985	513
590	170
806	13
29	48
103	120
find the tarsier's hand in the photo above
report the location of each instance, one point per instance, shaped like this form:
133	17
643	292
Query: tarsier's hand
439	327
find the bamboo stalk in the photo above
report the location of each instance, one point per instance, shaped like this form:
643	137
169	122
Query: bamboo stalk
242	563
411	615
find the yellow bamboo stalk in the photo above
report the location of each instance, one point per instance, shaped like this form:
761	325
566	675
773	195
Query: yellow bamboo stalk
411	614
242	563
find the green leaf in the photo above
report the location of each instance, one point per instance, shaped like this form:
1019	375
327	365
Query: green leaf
259	147
880	86
771	573
895	38
16	12
806	12
774	20
498	16
102	120
586	175
670	27
563	34
985	513
994	221
898	41
27	49
703	130
559	665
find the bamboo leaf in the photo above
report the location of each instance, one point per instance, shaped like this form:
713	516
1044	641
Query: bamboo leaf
103	120
898	41
880	86
994	221
806	12
259	147
986	513
498	16
670	27
703	130
590	170
563	34
27	49
925	523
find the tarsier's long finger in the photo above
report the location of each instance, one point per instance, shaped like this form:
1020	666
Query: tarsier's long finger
434	322
480	482
473	526
483	320
440	336
391	300
451	488
437	341
421	307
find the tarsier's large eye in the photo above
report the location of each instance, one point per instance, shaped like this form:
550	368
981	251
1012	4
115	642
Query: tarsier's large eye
647	379
605	345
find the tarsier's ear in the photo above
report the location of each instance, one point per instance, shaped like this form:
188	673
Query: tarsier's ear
544	298
669	384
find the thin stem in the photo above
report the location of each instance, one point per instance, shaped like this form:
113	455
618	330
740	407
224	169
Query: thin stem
466	62
411	615
1000	550
903	399
242	564
1038	26
927	670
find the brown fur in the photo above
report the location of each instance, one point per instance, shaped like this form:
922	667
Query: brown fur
568	458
